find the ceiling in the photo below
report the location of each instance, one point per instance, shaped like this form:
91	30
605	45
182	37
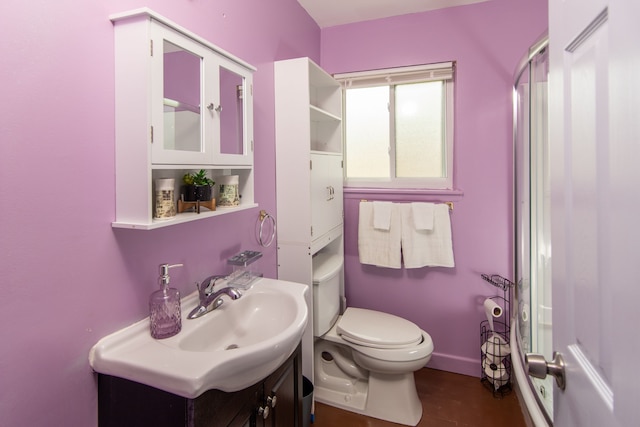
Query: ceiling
328	13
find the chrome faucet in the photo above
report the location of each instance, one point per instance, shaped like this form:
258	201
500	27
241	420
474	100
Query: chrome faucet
210	300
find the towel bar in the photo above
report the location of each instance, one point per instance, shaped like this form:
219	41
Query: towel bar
450	204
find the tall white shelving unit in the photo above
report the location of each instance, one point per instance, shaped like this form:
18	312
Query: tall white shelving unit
309	176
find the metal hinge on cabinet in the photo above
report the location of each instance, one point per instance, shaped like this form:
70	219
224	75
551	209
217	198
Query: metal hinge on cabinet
151	47
312	231
152	134
341	164
311	164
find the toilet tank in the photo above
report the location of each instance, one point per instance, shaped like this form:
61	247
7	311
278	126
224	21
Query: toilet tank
326	291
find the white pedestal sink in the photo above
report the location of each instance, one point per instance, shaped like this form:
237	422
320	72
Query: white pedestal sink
228	349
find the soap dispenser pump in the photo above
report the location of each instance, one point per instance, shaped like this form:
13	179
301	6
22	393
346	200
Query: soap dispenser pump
165	316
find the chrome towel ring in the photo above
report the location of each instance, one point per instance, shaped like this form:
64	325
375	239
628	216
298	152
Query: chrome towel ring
265	217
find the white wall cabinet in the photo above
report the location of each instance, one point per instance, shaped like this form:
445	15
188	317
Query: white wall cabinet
309	175
182	104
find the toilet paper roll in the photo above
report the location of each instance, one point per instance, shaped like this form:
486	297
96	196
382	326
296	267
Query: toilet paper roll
496	373
495	348
492	311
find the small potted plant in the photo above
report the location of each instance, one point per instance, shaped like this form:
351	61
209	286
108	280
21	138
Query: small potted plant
197	186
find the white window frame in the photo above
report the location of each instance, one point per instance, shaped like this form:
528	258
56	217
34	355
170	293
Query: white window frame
393	76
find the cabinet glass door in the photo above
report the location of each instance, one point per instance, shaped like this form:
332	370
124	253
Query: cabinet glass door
179	122
235	87
182	122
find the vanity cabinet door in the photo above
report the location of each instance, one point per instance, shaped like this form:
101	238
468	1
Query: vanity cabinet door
219	409
283	395
124	403
280	397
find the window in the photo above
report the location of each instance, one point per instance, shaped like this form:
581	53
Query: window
399	127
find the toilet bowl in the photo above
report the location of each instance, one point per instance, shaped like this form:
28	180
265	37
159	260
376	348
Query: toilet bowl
364	360
372	374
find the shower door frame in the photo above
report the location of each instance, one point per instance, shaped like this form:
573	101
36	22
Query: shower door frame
532	254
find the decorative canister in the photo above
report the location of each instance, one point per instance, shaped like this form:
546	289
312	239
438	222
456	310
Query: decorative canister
228	194
165	206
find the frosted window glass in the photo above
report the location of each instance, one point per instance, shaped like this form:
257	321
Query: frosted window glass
419	130
367	132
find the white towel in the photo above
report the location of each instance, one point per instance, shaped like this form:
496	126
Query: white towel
422	215
427	248
382	215
378	247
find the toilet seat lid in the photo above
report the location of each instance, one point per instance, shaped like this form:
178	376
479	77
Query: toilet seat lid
371	328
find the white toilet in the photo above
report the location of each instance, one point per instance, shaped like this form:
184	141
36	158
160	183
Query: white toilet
364	359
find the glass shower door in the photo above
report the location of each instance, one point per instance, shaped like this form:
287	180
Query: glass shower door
522	209
541	332
532	217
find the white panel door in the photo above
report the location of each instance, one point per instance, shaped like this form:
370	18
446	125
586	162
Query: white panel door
594	138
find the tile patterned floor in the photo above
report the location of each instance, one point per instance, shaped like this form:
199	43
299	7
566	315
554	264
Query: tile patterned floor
448	400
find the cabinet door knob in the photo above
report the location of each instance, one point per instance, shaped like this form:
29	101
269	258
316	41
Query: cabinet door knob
212	107
272	401
264	412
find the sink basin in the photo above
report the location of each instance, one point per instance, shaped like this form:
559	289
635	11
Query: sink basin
256	317
228	349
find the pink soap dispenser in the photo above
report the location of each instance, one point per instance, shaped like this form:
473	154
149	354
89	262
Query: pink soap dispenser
165	316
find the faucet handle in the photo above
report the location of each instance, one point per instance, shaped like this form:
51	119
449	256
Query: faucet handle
206	286
202	290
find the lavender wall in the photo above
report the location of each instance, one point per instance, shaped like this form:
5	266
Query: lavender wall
68	278
486	40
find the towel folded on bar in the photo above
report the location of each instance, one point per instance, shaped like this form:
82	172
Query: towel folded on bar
382	215
427	248
422	215
379	247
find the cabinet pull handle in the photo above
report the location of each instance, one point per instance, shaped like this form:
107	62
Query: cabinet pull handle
272	401
264	412
331	192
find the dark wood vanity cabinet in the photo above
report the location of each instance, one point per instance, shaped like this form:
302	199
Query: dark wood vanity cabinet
275	401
